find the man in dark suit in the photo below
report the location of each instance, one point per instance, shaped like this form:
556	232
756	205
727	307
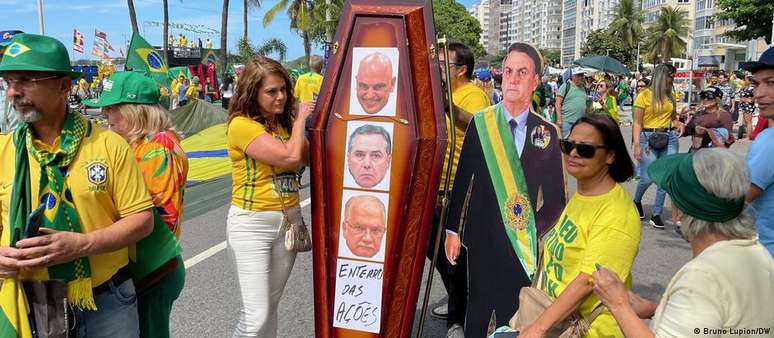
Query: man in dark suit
510	189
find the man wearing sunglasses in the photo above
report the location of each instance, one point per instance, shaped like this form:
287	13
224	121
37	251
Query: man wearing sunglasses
96	202
509	189
7	115
760	159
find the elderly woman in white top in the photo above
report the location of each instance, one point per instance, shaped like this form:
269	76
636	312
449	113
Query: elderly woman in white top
727	286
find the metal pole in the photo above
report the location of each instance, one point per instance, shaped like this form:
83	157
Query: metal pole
443	41
40	18
772	30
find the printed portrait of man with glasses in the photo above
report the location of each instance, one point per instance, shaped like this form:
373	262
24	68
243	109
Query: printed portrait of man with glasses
363	226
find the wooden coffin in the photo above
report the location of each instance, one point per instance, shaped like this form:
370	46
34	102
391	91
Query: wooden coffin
382	86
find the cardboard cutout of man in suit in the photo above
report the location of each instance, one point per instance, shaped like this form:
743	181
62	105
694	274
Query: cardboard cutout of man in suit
510	189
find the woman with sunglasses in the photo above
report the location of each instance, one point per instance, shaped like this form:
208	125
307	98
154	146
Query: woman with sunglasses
599	226
712	126
654	134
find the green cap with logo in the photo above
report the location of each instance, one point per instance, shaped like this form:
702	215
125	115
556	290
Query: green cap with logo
127	87
37	53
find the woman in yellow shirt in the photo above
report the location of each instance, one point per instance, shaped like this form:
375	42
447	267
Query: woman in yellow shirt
266	145
599	227
654	134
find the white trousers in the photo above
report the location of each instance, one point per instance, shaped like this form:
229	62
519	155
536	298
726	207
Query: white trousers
257	247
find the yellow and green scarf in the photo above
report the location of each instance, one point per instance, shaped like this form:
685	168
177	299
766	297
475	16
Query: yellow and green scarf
510	185
56	197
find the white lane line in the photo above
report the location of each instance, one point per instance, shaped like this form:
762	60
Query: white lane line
222	245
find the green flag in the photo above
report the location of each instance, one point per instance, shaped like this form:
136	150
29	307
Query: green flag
175	72
142	57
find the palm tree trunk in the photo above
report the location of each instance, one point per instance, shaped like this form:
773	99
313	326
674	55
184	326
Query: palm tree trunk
132	15
223	37
166	31
307	47
244	20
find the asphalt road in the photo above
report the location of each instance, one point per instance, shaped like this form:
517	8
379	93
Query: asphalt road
209	304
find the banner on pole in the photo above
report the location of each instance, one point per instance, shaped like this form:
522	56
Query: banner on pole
78	41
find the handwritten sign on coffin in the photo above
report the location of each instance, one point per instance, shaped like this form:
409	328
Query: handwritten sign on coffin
377	147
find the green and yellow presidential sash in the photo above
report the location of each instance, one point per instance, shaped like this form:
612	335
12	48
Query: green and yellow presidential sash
510	185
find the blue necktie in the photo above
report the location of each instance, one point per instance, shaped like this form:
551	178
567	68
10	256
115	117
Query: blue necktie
514	125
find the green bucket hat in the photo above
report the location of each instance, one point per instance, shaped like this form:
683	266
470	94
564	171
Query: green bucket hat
127	87
675	174
37	53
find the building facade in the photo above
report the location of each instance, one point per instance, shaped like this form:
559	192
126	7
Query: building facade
713	50
579	19
537	22
480	11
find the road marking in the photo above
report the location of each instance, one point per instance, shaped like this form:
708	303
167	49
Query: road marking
222	245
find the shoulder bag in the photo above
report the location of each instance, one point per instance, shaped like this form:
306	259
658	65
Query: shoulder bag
297	236
533	302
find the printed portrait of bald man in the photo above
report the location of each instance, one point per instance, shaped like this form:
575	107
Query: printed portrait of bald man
374	85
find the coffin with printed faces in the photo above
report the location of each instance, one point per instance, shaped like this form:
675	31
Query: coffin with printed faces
377	146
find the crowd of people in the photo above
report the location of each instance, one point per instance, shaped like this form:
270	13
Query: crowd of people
102	209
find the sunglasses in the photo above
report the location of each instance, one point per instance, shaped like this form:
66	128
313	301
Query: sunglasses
585	150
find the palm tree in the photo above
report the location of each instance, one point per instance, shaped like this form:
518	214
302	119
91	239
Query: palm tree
132	15
247	5
666	38
627	25
300	14
224	37
273	45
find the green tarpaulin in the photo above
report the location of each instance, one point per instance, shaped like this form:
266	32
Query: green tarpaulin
196	116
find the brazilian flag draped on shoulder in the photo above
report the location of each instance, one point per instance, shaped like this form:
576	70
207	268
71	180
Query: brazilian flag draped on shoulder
142	57
510	185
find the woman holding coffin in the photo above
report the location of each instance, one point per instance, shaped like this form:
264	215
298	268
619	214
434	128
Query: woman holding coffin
266	145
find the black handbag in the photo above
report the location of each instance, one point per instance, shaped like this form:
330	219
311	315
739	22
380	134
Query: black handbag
658	141
51	315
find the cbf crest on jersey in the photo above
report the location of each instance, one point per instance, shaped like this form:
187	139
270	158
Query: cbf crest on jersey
97	174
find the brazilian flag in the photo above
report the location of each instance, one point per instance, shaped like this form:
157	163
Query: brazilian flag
14	314
142	57
175	72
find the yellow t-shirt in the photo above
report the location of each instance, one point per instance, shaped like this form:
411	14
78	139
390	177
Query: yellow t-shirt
307	86
472	99
602	230
252	186
192	92
655	119
106	184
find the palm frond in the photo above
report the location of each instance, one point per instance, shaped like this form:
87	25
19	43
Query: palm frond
272	12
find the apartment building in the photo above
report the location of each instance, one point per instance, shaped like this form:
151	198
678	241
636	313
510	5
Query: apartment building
579	19
538	22
480	11
713	50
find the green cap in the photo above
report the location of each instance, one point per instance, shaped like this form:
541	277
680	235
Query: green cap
37	53
127	87
676	175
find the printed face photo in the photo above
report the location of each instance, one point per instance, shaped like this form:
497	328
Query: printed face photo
369	155
374	79
363	225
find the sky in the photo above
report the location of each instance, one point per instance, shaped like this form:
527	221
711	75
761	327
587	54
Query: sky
112	17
